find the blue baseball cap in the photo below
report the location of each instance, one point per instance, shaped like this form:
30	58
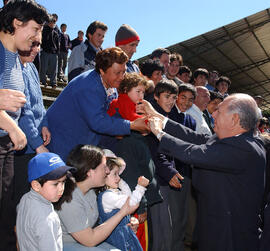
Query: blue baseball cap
48	166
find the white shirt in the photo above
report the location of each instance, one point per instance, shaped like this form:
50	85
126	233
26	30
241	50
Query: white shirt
201	125
117	198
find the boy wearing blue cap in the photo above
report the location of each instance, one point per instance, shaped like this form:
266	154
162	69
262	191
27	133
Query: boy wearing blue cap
38	225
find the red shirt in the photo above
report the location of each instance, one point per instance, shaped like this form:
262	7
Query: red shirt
125	106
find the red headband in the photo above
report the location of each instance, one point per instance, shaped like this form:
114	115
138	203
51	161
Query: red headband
127	41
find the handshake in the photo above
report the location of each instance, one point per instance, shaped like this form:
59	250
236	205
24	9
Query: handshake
153	118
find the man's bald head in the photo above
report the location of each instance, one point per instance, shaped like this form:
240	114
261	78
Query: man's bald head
237	114
203	97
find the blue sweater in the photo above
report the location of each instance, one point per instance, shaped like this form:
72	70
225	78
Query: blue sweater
33	113
79	115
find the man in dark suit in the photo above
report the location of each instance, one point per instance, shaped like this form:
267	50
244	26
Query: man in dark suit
179	198
229	175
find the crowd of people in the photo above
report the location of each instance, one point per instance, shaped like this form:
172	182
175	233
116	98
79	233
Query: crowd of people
132	155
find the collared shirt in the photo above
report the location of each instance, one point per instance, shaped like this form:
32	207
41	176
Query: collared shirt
132	67
201	125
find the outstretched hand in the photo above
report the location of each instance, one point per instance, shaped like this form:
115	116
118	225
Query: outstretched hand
155	124
140	125
149	110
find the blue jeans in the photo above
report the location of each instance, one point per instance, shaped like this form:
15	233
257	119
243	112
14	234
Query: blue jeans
78	247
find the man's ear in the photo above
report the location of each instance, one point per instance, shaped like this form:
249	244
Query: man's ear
235	120
17	23
35	185
101	72
156	97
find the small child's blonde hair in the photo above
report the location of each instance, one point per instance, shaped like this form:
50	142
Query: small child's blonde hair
119	162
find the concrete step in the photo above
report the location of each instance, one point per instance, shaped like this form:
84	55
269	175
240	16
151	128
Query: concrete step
49	94
47	101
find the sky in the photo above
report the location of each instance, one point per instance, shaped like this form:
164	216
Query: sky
158	23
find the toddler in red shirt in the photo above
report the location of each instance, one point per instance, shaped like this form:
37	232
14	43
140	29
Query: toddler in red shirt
131	92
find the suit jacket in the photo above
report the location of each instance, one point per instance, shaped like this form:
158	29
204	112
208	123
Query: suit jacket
265	238
165	166
188	121
229	177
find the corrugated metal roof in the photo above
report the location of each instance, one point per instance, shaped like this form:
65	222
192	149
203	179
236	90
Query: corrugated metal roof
240	50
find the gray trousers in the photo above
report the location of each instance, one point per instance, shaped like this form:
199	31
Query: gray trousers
104	246
161	223
62	64
48	65
178	202
191	229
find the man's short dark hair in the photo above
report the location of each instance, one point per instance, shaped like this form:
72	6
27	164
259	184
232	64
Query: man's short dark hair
223	79
63	25
184	69
55	16
24	11
51	19
215	95
187	88
94	26
167	86
149	66
200	71
157	53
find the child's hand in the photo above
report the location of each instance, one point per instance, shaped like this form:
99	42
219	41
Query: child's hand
134	224
142	181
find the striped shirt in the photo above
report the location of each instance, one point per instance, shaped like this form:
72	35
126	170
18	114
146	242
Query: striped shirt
12	79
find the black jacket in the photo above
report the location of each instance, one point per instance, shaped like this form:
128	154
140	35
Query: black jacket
50	40
134	150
